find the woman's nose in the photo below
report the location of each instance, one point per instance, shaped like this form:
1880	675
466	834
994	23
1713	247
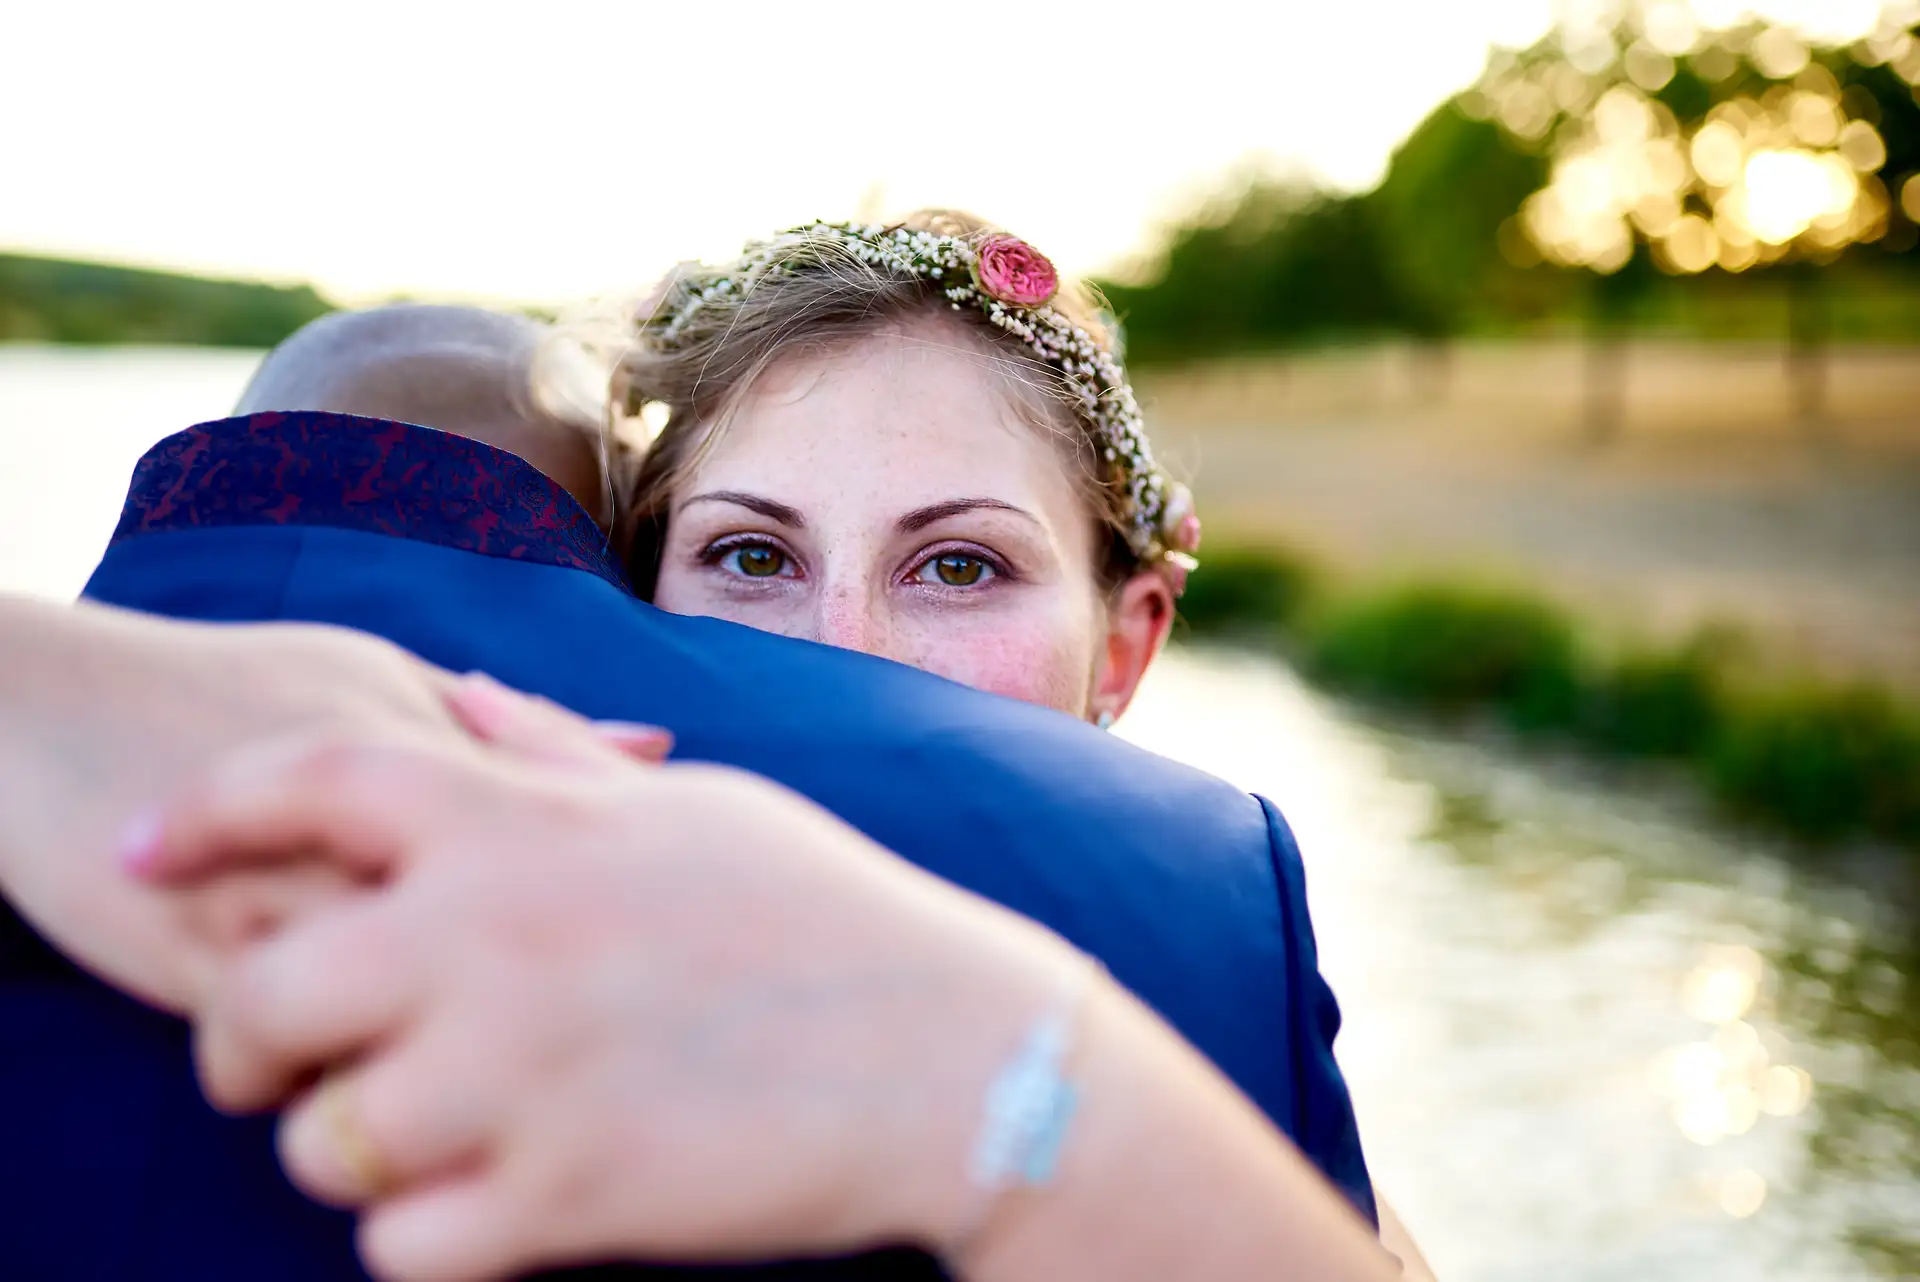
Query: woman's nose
847	616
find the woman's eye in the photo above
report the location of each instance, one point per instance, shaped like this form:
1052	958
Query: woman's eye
956	570
757	561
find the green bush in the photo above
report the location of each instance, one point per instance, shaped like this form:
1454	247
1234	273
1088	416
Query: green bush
1246	590
1820	762
1824	762
1455	648
1658	703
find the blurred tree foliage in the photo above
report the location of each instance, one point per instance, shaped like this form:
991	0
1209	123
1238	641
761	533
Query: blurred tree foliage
1283	264
1437	218
57	301
1486	221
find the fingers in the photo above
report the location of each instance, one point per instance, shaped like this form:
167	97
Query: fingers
409	1112
457	1230
357	803
649	745
315	995
542	731
241	908
328	1151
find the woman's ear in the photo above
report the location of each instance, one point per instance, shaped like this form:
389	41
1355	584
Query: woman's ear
1138	620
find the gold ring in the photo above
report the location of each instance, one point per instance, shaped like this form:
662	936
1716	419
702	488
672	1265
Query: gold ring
357	1154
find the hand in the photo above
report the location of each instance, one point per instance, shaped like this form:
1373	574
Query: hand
240	905
103	713
601	1010
224	908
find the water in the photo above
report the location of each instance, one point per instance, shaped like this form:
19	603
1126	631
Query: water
1593	1035
72	423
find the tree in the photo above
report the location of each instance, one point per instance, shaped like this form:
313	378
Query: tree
1280	264
1724	151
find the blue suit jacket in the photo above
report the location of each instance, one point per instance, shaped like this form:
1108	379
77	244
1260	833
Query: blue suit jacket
113	1167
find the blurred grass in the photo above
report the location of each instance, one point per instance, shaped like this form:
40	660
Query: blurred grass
1657	702
1452	648
1254	593
1819	760
1823	761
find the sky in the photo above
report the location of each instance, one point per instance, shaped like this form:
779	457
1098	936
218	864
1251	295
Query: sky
575	148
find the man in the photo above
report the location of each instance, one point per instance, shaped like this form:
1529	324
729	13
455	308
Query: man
1190	892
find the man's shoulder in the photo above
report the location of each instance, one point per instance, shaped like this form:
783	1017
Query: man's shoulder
312	469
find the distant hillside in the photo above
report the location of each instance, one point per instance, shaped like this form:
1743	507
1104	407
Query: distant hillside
53	300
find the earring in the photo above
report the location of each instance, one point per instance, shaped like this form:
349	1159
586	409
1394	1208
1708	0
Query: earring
1104	720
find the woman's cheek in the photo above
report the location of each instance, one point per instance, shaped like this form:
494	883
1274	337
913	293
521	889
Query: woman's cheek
1027	660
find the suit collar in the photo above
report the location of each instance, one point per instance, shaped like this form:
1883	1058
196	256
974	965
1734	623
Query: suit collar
340	470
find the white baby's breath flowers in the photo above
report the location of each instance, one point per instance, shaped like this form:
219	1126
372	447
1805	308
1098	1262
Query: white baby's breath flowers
1153	506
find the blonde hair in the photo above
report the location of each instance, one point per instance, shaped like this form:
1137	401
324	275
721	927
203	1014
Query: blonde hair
690	386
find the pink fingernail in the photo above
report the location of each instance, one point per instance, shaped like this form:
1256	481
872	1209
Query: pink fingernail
138	846
631	730
650	742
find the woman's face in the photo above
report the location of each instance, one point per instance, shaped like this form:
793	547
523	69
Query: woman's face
888	498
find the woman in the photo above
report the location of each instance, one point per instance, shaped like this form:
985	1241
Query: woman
912	441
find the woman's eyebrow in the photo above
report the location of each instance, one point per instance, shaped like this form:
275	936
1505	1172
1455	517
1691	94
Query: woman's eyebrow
921	518
779	512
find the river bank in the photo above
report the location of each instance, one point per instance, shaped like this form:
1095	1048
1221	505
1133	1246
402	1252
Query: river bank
1719	586
1712	505
1824	761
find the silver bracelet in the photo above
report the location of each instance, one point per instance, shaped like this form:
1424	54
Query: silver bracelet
1027	1111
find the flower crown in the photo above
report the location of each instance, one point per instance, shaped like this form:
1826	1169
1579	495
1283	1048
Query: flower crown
1013	285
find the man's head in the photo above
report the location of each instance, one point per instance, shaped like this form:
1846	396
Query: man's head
458	369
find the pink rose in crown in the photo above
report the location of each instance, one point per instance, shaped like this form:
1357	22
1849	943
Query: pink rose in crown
1186	535
1010	270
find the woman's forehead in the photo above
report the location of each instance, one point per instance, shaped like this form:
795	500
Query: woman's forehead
910	409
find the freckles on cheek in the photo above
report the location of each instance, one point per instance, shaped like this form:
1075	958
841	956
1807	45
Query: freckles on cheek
1020	664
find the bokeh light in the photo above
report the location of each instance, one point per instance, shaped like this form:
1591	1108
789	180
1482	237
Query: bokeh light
1788	191
1722	987
1785	1090
1784	167
1722	1086
1741	1193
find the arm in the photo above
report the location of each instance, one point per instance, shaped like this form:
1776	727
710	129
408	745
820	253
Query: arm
708	967
103	712
1174	1174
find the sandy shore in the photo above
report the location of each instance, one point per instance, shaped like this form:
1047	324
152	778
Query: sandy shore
1712	503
